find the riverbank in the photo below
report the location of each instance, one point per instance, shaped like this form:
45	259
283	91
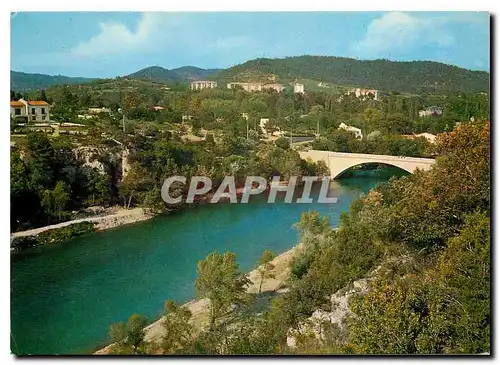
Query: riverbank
199	307
118	216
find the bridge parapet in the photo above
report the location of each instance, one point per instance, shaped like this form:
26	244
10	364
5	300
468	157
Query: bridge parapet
338	162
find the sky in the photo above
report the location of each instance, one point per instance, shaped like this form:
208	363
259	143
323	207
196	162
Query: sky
110	44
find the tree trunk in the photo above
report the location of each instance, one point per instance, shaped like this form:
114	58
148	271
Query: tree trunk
130	200
212	318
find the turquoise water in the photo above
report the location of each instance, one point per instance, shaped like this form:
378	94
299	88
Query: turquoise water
65	296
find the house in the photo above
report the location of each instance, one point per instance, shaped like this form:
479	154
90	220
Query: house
99	110
357	132
278	87
256	86
430	111
364	93
86	116
32	110
298	88
431	138
262	124
247	86
200	85
158	108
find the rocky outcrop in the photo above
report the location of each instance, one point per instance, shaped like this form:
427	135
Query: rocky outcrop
89	156
314	325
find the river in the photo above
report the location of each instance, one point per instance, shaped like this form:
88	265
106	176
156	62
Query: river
65	296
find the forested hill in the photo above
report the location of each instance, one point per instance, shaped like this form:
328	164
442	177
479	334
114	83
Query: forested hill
181	74
21	81
413	77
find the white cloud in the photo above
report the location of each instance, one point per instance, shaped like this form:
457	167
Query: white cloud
156	31
396	33
115	37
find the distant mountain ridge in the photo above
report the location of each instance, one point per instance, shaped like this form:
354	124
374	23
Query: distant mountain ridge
413	77
22	81
180	74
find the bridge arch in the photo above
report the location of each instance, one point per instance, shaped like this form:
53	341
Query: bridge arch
337	172
338	162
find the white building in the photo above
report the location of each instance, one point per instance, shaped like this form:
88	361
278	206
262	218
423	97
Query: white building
247	86
278	87
364	93
262	124
431	138
298	88
33	110
200	85
357	132
430	111
99	110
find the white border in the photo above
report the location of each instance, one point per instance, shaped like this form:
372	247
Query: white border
194	5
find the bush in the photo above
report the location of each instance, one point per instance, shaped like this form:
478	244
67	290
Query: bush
282	143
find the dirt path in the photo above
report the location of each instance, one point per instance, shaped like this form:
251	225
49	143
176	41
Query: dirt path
120	217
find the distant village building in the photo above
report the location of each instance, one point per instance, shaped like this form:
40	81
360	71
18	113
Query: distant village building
86	116
32	110
247	86
187	117
357	132
158	108
431	138
430	111
364	92
256	86
298	88
99	110
262	124
200	85
278	87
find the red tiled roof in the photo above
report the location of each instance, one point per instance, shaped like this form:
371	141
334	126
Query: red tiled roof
38	103
16	103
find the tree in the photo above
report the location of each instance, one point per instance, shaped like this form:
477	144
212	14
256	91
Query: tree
371	118
178	329
43	96
54	201
282	143
220	281
40	156
129	338
265	267
444	309
135	182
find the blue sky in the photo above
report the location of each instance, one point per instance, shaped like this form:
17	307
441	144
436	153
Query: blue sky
109	44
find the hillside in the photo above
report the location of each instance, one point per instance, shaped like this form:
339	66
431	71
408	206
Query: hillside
413	77
192	73
21	81
156	73
181	74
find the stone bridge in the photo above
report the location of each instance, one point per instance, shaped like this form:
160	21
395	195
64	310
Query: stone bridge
339	162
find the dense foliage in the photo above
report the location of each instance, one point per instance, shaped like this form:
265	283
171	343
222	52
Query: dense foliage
181	74
414	77
22	81
422	245
48	182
